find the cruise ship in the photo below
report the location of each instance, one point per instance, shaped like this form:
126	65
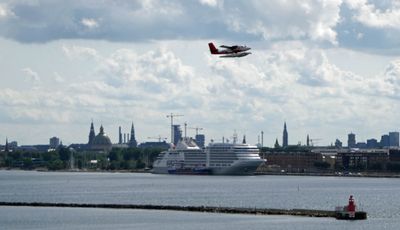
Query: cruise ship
216	159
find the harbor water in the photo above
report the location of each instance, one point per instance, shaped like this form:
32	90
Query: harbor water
377	196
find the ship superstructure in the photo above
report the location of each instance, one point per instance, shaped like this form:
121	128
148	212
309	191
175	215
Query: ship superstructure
233	158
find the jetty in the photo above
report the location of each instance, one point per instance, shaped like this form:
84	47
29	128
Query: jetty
209	209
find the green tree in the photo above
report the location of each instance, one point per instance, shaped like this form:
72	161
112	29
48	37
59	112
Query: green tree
27	163
114	155
56	165
64	153
140	164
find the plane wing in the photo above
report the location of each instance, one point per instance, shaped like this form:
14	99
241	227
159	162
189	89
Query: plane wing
229	47
235	55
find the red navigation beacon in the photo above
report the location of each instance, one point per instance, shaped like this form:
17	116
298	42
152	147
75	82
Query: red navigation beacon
352	206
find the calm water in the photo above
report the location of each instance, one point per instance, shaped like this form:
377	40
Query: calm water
378	196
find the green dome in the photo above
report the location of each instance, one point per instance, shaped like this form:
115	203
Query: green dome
102	141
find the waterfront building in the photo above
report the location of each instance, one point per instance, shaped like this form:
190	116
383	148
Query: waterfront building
285	136
394	155
351	141
394	139
362	159
200	140
384	141
177	134
132	142
54	142
293	161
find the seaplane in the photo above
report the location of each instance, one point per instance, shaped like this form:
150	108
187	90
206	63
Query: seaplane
229	51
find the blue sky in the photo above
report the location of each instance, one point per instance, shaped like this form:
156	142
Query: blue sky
327	68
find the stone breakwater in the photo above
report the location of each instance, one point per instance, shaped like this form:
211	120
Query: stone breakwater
210	209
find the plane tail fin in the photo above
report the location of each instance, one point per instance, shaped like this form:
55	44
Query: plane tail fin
213	50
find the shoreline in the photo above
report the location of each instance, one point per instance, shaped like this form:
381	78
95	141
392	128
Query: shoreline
320	174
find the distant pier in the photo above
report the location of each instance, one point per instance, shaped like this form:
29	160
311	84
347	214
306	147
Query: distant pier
210	209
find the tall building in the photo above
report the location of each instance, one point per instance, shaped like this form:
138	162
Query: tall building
308	140
384	141
177	133
285	136
200	140
132	141
92	135
394	139
120	136
351	141
54	142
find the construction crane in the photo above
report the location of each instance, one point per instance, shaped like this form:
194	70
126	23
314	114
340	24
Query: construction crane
197	129
159	138
172	124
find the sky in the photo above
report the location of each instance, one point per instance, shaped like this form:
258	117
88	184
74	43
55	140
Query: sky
326	67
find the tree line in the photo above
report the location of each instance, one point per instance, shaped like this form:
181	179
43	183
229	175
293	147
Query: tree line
64	158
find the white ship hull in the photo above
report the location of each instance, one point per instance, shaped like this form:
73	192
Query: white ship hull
217	159
239	168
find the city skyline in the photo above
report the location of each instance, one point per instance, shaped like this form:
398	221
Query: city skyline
388	139
64	63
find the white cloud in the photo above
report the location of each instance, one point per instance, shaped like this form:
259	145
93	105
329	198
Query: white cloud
5	11
368	14
90	23
211	3
80	52
32	75
311	19
158	20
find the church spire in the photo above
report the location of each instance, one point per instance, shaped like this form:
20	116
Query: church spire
92	135
276	143
101	130
6	148
285	136
132	141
